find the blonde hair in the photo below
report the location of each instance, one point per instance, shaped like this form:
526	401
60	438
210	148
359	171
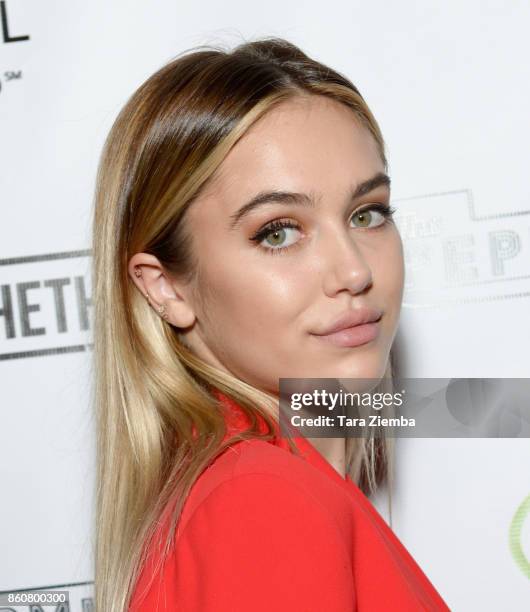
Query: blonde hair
158	423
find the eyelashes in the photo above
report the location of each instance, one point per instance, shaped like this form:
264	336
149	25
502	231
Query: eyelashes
280	226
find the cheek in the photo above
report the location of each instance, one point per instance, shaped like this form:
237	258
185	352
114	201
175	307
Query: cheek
248	297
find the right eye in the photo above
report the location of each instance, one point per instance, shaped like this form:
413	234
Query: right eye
277	236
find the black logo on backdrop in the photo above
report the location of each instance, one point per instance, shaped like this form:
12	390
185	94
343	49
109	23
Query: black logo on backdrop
45	305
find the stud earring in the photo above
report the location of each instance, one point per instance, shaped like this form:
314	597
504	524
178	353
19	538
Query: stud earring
162	311
137	272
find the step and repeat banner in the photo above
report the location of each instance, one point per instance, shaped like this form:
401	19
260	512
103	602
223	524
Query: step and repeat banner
448	84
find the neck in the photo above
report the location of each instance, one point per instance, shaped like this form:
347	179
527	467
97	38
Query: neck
333	450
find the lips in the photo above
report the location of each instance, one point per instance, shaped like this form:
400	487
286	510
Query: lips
351	318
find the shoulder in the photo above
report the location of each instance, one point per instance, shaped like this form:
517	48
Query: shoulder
258	532
255	478
261	538
261	497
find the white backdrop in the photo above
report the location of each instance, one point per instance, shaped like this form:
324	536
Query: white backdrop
448	83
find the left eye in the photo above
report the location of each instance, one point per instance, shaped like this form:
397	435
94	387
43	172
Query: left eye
369	218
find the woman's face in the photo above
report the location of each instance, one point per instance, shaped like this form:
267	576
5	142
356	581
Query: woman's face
263	295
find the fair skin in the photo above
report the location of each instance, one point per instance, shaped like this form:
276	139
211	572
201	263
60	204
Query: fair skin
254	308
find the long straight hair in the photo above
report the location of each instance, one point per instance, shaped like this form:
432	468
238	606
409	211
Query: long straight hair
158	421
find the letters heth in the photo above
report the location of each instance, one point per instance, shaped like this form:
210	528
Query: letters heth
27	305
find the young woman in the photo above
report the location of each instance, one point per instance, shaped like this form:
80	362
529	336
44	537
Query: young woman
241	218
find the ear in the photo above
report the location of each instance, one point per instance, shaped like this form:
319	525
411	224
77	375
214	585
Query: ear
163	293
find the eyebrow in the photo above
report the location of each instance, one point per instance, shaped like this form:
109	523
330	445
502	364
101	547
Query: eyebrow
304	199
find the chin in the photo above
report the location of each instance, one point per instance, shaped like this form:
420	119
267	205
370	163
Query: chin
371	366
367	361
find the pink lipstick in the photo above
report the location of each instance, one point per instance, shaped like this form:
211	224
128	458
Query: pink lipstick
352	328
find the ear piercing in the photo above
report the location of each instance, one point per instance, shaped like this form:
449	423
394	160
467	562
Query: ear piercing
162	311
138	273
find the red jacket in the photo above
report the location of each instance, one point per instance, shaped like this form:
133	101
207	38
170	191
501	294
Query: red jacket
266	531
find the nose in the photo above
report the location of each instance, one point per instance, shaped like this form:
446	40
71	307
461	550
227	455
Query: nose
346	269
